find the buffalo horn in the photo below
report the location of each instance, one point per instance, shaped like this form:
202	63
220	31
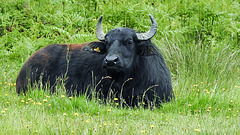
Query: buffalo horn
151	32
99	31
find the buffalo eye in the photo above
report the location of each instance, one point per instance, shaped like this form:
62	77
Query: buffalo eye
129	42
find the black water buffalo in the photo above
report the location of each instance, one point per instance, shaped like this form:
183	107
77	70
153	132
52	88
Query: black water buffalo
123	64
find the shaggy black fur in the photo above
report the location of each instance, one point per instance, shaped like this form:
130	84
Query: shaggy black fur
140	74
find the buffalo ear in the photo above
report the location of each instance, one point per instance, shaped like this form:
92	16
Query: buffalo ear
96	47
147	50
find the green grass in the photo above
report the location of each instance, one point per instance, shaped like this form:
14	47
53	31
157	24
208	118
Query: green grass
200	41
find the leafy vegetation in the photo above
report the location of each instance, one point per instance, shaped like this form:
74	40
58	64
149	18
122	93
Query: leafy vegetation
200	41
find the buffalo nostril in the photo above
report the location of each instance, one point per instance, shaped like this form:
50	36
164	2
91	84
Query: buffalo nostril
116	59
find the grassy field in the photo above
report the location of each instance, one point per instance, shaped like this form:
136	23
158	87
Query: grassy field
200	41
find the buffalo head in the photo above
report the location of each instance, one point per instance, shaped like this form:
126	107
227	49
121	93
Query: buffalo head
122	45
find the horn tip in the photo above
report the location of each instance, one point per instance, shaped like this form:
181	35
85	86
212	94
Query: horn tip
151	16
101	17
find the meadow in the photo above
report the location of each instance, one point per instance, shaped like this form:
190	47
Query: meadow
199	39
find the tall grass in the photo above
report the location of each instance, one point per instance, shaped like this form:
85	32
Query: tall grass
199	40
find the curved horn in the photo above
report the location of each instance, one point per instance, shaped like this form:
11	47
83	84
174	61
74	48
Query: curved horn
151	32
99	31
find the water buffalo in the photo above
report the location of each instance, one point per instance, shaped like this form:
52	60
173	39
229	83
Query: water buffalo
123	64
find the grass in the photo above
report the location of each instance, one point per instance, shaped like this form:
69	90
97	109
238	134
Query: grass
199	40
